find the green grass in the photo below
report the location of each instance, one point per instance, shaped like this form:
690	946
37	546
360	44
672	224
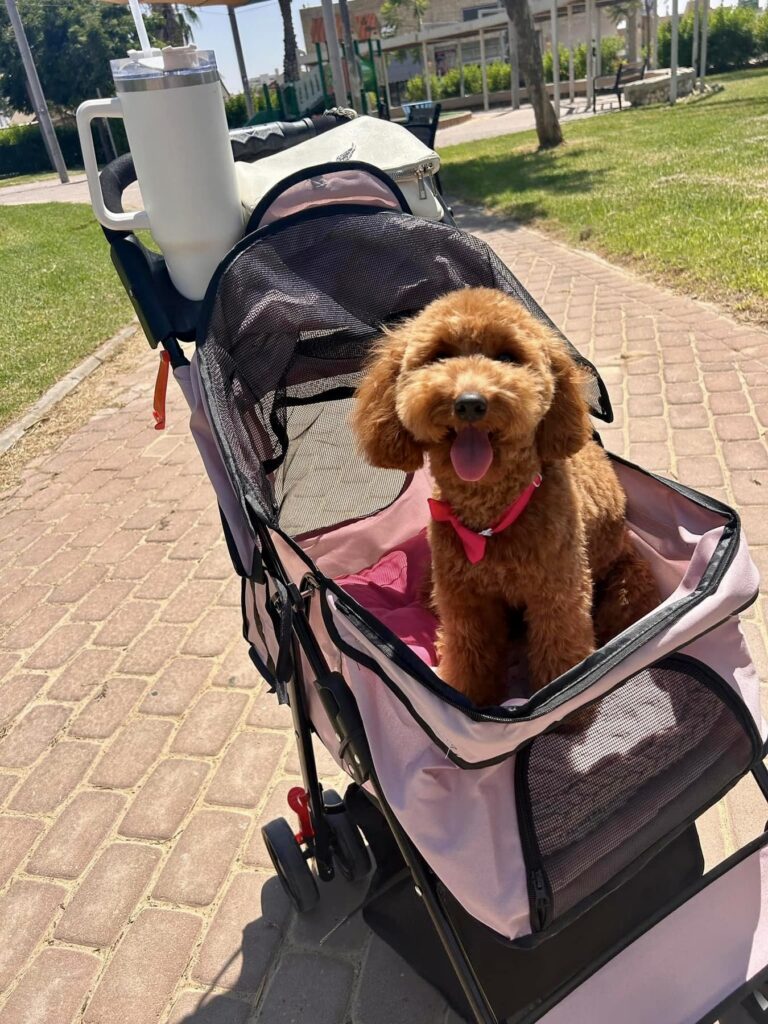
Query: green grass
59	299
679	193
25	179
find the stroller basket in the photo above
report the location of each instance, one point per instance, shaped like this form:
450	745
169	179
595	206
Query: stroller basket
541	841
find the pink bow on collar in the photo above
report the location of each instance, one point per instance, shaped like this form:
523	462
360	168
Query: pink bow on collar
475	543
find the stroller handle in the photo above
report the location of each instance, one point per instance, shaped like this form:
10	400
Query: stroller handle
248	144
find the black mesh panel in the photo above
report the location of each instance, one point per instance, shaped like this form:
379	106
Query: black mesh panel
599	793
295	313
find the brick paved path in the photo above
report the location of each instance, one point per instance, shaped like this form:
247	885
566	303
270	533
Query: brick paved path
139	751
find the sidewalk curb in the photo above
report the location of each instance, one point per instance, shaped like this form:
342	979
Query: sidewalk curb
14	432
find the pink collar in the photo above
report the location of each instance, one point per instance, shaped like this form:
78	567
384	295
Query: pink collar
475	543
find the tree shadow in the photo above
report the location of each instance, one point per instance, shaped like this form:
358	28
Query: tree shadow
255	973
554	172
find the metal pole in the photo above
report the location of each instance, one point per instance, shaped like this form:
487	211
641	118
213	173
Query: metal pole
704	16
571	69
36	94
385	74
673	53
334	55
555	58
590	55
484	72
514	69
655	35
425	65
240	61
695	50
349	50
461	71
598	41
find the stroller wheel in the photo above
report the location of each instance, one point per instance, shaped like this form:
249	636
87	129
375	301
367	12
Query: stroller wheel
292	869
350	852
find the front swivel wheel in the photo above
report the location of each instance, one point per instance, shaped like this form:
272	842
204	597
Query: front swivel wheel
290	866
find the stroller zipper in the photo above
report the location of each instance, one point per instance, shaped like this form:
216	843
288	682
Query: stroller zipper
539	890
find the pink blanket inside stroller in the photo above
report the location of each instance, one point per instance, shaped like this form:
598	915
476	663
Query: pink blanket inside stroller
393	591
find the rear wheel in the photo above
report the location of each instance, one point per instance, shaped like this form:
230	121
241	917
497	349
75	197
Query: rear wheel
349	850
290	866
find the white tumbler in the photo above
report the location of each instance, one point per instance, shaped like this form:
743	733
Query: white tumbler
173	108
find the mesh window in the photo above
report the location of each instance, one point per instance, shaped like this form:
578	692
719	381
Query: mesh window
293	319
599	793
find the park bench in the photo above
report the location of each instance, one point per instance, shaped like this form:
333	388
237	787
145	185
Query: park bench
626	72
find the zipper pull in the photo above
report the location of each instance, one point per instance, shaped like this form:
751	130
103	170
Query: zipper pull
540	898
420	180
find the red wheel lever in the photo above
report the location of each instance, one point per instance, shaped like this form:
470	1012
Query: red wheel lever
298	801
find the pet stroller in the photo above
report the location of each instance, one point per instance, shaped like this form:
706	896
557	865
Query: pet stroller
532	863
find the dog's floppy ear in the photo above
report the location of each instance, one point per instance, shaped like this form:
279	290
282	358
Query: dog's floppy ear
383	439
566	427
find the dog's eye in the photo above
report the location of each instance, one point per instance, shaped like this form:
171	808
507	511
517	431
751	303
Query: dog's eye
440	354
506	357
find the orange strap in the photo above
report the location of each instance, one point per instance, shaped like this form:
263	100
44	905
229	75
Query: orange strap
161	387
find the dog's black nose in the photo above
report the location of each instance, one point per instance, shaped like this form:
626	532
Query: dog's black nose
470	406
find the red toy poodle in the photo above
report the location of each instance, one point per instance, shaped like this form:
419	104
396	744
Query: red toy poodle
528	514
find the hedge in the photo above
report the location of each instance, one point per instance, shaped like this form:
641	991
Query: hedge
498	73
22	150
736	36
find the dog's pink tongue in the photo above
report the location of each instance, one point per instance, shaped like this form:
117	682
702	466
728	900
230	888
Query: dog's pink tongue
471	454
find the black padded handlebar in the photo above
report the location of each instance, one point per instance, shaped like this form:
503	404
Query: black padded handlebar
248	144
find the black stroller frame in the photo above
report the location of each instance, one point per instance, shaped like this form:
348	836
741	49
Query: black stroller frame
168	319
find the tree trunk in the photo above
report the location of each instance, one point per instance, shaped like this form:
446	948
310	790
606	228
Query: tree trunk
290	53
532	68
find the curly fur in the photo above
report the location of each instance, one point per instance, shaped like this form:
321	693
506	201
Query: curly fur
569	544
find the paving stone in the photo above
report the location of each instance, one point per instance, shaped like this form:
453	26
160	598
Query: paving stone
57	775
17	835
162	938
32	734
164	800
246	771
735	428
126	624
101	601
138	563
176	688
77	583
339	900
149	653
53	989
85	675
192	600
131	754
201	1008
59	647
164	579
745	454
266	713
109	709
26	912
110	891
27	631
21	601
726	402
307	987
200	860
79	831
391	991
16	693
748	810
701	471
237	670
244	934
214	634
7	782
750	486
685	416
209	724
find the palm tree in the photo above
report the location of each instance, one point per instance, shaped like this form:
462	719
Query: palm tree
175	25
392	11
529	55
290	49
